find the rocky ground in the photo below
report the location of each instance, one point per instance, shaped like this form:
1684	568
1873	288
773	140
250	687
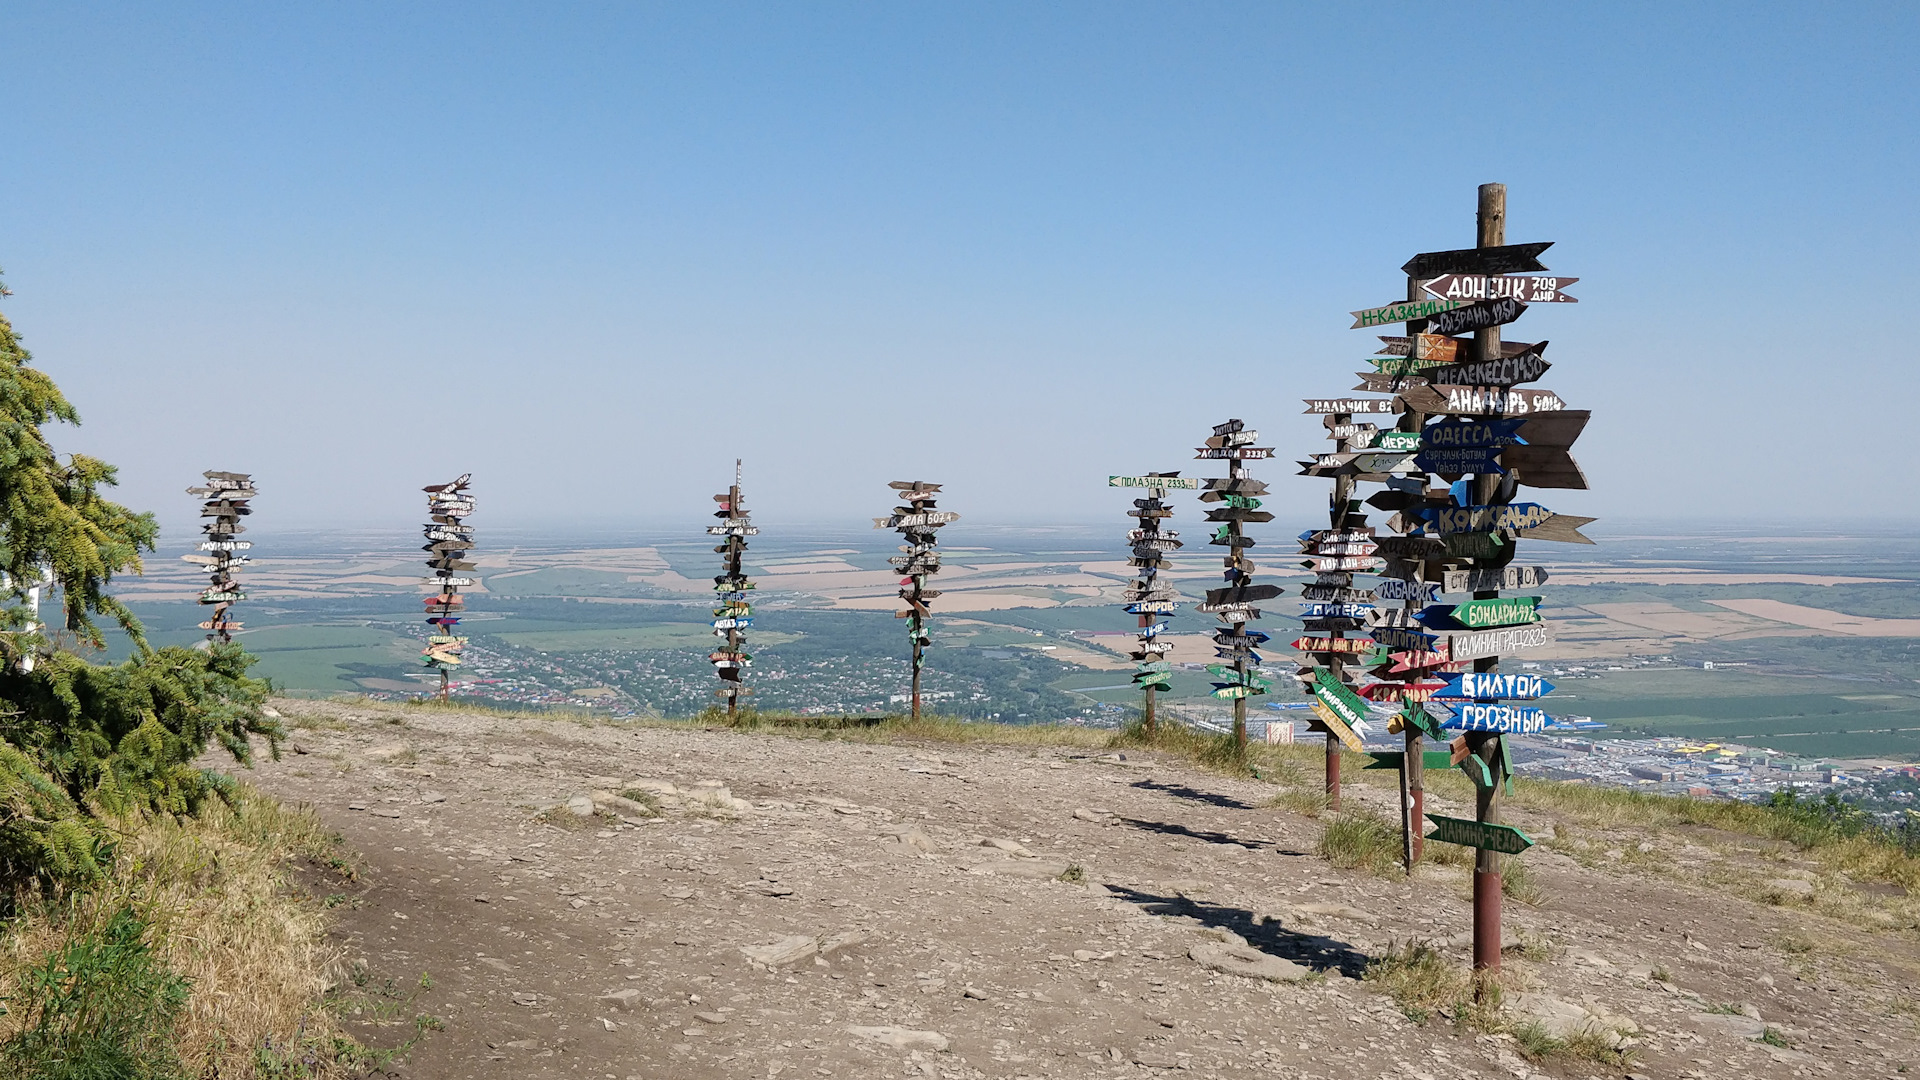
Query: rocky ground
769	906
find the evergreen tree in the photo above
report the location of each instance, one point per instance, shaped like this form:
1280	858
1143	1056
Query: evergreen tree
80	742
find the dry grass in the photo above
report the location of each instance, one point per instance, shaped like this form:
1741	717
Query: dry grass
1362	840
216	895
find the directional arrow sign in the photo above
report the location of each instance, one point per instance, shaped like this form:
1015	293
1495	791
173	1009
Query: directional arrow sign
1169	482
1392	759
1482	614
1544	467
1353	406
1506	371
1446	434
931	517
1478	316
1532	290
1148	607
1337	726
1481	400
1481	519
1459	460
1505	577
1404	311
1393	441
1478	834
1488	684
1472	645
1396	589
1332	645
1511	258
1335	611
1233	453
1507	719
1242	594
1237	691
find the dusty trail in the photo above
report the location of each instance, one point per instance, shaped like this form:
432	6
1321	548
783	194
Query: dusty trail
615	950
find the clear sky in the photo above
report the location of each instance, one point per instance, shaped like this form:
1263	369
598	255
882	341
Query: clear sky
591	253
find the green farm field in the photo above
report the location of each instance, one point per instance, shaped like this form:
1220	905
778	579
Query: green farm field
1811	716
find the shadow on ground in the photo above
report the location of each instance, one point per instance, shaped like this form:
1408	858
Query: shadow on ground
1316	951
1193	794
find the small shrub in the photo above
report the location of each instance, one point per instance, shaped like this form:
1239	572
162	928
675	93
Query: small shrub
1421	981
1517	882
1361	839
1303	801
1772	1037
1074	874
101	1007
645	798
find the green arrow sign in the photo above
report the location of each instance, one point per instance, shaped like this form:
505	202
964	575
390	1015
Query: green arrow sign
1348	705
1390	759
1478	834
1501	611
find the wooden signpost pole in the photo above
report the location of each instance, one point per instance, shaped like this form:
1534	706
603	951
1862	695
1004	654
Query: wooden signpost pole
1461	537
1487	884
918	523
1146	597
1233	443
225	497
732	613
449	541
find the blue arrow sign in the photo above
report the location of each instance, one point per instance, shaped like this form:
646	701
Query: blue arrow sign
1155	630
1335	611
1478	684
1508	719
1452	461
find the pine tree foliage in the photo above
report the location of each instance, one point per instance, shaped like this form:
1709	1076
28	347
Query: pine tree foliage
83	743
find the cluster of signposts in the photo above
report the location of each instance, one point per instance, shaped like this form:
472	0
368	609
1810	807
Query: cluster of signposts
225	496
1458	412
918	523
732	612
1146	597
448	542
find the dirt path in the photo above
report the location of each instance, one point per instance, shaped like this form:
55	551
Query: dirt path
615	950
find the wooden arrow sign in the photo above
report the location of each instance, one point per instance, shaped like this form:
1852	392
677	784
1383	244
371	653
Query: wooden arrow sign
1482	400
1361	434
1234	513
1398	691
1331	723
1531	290
1482	614
1395	589
1562	528
1475	644
1506	719
1316	610
1554	428
1404	311
1478	834
1349	406
1242	594
1482	519
1544	467
1332	645
1507	259
1459	460
1506	371
1505	577
1488	684
1476	316
1149	607
1392	441
453	582
922	520
1423	660
1233	453
1167	482
1337	594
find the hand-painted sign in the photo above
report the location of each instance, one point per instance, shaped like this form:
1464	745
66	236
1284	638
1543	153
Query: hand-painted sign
1399	691
1233	453
1450	434
1404	311
1481	400
456	582
1507	259
1459	460
1393	759
1332	645
1506	371
1505	577
1474	644
1169	482
1545	467
1507	719
1148	607
1476	316
1420	660
1394	637
1532	290
1394	441
1349	406
1360	436
732	530
1478	834
1337	726
908	521
1482	614
1396	589
1480	519
1335	611
1475	685
1338	594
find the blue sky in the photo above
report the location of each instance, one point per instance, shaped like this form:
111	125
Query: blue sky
591	253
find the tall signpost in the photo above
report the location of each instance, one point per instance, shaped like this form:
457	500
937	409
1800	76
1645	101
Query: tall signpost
1233	603
732	613
448	542
918	524
1467	419
1146	597
225	497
